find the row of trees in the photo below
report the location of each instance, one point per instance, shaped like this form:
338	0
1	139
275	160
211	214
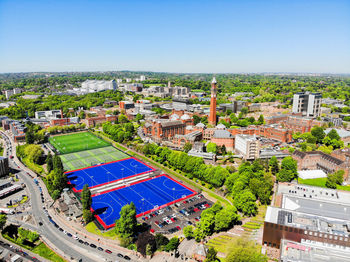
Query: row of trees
56	180
193	166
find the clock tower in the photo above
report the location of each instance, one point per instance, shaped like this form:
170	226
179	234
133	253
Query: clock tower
212	115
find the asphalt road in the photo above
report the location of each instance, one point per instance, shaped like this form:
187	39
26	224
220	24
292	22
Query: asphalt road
60	241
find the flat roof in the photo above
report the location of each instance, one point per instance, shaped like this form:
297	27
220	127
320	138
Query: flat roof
310	251
316	207
321	224
316	193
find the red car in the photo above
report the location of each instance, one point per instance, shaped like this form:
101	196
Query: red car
11	157
108	251
196	210
152	230
179	228
172	219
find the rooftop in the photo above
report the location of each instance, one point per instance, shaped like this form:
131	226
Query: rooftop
322	224
341	132
222	134
309	251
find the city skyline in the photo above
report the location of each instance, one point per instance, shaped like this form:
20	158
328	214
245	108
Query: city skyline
181	37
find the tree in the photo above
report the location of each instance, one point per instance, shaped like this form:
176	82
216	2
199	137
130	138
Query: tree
173	244
335	179
30	137
125	226
57	163
49	163
244	110
319	133
188	232
3	219
87	215
146	243
245	202
161	241
122	118
86	198
261	120
333	134
212	147
211	255
187	147
243	250
288	170
274	166
196	119
225	218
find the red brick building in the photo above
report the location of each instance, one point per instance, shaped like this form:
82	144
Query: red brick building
318	160
92	121
164	129
300	124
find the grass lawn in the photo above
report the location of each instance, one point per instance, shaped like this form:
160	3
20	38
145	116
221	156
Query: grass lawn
76	142
92	228
221	243
45	252
320	182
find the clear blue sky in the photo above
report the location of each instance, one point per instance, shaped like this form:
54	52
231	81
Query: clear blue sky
175	35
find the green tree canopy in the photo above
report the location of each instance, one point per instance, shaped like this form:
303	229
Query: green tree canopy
243	250
125	226
86	198
319	133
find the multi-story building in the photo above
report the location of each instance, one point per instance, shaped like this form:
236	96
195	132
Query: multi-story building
309	104
164	129
126	105
235	106
305	215
223	137
4	166
301	124
11	92
92	121
51	114
248	146
92	86
318	160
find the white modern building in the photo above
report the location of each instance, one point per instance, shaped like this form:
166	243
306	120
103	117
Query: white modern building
51	114
309	104
248	146
11	92
91	86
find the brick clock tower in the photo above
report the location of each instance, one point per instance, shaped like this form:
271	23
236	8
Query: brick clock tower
212	115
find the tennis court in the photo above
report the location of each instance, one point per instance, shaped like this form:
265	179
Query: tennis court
91	157
76	142
106	173
147	195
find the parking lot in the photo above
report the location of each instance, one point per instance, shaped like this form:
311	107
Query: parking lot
174	218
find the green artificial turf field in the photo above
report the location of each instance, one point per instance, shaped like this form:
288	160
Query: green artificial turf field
76	142
91	157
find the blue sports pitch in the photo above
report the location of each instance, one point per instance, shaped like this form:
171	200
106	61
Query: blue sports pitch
147	195
106	173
